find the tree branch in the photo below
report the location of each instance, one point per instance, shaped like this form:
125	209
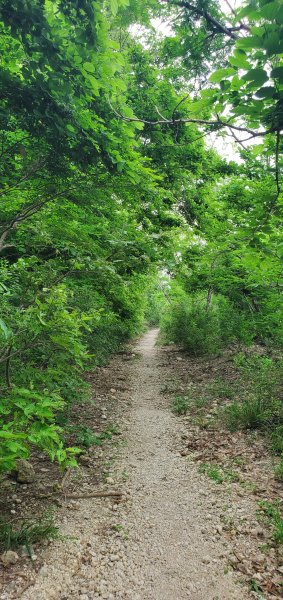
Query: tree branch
237	139
217	124
23	178
201	12
26	214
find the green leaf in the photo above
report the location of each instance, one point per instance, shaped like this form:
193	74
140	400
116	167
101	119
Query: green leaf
273	42
10	435
5	329
220	74
270	10
253	41
239	59
247	11
266	92
114	7
95	84
277	73
90	67
257	76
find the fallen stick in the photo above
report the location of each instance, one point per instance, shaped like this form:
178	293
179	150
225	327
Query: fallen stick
65	478
24	588
78	496
95	495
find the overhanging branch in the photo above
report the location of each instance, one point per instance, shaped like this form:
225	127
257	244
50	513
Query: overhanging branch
28	212
212	21
214	124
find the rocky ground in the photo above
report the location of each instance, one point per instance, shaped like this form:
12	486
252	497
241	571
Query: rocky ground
175	532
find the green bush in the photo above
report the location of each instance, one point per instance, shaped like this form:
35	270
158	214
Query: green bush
203	330
259	404
273	513
251	413
278	471
186	323
46	347
157	300
276	440
86	436
212	471
180	405
28	418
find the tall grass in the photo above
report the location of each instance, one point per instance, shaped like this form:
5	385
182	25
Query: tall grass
26	534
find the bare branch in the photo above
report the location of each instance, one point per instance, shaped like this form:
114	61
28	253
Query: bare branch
230	7
237	139
216	124
242	25
201	12
179	103
160	114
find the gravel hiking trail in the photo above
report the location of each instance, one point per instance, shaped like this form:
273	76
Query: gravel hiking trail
159	544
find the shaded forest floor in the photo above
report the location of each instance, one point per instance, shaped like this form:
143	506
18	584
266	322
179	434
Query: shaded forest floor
190	524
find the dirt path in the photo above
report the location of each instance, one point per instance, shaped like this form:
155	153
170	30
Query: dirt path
160	544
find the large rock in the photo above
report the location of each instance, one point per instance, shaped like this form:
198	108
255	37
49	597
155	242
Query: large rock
9	558
24	471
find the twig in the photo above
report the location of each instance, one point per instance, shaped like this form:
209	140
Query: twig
23	589
160	114
242	25
96	495
177	105
231	7
65	478
237	139
79	496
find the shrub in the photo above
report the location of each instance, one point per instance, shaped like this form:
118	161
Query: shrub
249	414
203	330
278	471
213	472
46	344
156	302
86	437
273	514
276	440
28	418
180	405
259	405
187	323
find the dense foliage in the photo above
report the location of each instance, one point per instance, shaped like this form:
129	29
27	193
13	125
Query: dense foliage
106	179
